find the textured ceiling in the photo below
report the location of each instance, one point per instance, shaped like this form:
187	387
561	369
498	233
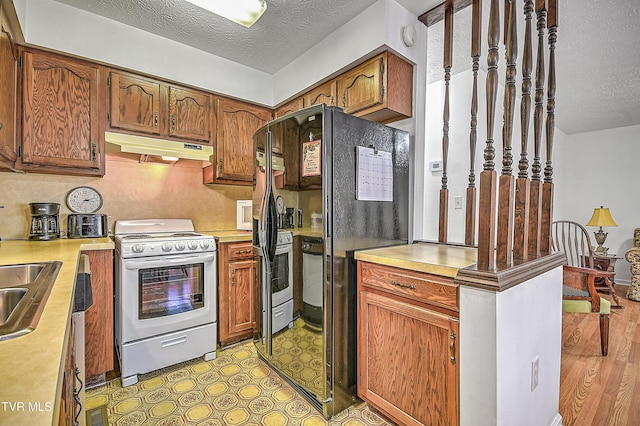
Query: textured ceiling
597	61
285	31
598	54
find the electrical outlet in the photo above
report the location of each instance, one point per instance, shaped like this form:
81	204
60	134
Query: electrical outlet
457	202
535	368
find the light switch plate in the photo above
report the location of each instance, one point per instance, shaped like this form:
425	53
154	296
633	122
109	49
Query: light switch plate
435	166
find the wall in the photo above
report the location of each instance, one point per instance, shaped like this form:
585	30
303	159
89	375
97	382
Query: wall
131	190
603	171
500	335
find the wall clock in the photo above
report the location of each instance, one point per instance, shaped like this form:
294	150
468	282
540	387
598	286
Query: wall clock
84	199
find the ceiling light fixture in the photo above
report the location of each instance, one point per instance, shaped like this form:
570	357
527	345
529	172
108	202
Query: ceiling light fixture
244	12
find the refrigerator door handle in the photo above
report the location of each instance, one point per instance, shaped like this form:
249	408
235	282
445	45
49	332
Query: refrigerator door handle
269	254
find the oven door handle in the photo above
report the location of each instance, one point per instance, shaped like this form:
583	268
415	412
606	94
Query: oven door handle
167	261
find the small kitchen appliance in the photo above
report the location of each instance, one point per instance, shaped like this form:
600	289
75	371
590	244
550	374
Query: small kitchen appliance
87	225
45	221
165	298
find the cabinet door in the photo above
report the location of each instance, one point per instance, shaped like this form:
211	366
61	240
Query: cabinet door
407	361
362	87
8	87
237	122
279	139
241	314
190	114
99	317
325	93
134	103
61	114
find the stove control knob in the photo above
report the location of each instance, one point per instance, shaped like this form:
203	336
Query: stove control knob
167	246
180	245
192	245
137	248
204	244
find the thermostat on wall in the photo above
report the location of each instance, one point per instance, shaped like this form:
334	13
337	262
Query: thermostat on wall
435	166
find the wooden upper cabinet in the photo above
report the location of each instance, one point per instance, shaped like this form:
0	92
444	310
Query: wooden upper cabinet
380	89
134	103
237	122
61	131
148	107
190	114
8	94
291	106
325	93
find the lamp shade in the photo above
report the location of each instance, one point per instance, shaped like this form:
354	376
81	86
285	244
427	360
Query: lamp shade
601	217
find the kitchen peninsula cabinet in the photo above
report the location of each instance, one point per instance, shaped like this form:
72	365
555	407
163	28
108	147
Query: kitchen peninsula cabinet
408	344
67	400
99	340
236	286
148	107
61	129
8	93
380	89
237	122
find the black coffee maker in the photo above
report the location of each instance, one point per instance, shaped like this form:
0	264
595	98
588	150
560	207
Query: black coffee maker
45	221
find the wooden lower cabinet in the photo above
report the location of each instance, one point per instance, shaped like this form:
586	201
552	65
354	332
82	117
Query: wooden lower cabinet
98	329
407	351
236	297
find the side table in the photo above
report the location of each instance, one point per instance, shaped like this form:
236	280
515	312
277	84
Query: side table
606	263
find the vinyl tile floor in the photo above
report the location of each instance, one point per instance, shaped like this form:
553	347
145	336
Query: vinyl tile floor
236	388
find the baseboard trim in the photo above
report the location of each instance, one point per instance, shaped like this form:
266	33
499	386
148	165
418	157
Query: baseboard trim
557	421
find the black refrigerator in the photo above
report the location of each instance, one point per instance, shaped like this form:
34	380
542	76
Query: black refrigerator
355	173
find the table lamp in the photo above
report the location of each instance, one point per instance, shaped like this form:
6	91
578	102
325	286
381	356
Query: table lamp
601	217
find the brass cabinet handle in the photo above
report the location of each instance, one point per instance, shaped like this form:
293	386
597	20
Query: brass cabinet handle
155	119
94	153
452	348
242	251
233	277
173	122
397	284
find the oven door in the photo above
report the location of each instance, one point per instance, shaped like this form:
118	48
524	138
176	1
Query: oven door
166	294
281	275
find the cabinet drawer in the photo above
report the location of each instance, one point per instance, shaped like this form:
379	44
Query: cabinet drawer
427	288
243	250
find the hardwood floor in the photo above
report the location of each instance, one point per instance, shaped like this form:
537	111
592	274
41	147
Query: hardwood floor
597	390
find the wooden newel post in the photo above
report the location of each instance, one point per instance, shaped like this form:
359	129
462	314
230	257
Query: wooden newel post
488	176
521	218
535	198
476	37
547	190
506	198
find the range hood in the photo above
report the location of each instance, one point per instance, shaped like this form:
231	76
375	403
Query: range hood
153	146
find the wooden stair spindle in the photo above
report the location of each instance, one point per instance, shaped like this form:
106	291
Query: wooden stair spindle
547	188
506	197
476	39
521	218
448	61
536	169
488	176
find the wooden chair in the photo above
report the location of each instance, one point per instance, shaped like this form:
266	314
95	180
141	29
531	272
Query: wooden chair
573	240
579	291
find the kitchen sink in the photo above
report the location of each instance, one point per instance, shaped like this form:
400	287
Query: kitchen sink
9	299
24	289
15	275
